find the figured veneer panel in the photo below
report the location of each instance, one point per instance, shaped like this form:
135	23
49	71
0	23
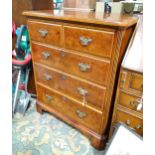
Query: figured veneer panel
45	32
87	67
76	112
96	42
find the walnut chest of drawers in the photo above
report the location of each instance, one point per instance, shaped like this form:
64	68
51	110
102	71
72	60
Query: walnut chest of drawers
76	56
129	97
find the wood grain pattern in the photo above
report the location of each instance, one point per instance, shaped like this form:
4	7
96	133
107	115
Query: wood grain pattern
131	120
101	41
98	74
60	81
69	108
129	100
68	61
52	32
115	20
136	82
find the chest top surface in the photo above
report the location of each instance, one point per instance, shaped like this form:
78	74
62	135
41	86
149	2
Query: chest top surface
116	20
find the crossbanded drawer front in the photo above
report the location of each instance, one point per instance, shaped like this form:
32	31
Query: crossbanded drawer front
96	42
76	112
133	122
136	82
86	93
45	32
130	101
91	69
131	81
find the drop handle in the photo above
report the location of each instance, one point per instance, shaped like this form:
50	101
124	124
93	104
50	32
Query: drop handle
43	33
80	114
48	97
47	77
82	91
45	55
84	67
85	41
138	127
128	122
132	103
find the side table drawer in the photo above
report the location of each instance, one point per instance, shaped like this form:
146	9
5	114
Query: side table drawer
133	122
75	112
136	82
131	81
130	101
45	32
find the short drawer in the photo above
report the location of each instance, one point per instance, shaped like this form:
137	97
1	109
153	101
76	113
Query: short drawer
136	81
131	80
96	42
89	68
71	86
132	121
76	112
130	101
45	32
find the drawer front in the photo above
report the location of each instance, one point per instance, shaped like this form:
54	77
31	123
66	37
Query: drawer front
136	82
82	91
132	81
133	122
45	32
96	42
74	111
130	101
88	68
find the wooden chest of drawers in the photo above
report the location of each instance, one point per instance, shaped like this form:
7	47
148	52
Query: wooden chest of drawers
129	97
76	57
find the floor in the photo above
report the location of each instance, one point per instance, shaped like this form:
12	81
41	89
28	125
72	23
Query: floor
36	134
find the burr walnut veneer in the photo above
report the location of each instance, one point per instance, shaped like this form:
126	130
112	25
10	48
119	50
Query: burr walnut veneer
76	56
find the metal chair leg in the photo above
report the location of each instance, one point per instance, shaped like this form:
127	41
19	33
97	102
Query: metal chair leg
16	93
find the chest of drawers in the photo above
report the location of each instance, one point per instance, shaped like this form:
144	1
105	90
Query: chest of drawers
129	97
76	56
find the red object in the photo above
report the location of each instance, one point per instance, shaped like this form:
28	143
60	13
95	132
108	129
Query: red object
22	86
13	29
21	62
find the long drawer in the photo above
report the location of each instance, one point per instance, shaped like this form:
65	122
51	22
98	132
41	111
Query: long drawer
45	32
95	70
76	112
85	92
96	42
131	120
130	101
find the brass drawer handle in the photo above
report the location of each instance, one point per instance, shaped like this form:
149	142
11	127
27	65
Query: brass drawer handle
62	53
80	114
47	77
138	127
82	91
132	103
85	41
46	55
84	67
63	77
43	33
48	97
128	122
